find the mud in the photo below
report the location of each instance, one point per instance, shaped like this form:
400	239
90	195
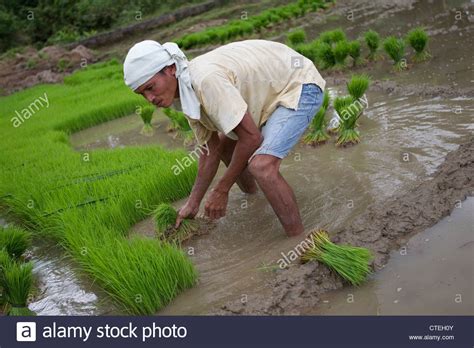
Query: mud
382	228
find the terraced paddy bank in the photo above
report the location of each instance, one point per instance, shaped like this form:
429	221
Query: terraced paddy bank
87	201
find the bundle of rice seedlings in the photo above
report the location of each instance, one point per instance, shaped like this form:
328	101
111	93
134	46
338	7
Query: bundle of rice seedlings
372	39
332	36
395	48
357	85
165	219
351	263
17	281
354	51
341	51
325	55
418	39
147	114
15	241
178	120
349	111
297	37
317	133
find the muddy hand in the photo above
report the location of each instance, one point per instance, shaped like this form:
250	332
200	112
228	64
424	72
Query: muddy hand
189	210
216	204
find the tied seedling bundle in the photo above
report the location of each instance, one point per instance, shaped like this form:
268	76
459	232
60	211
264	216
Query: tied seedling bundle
395	48
418	39
372	40
350	108
147	114
165	219
14	241
317	133
351	263
180	124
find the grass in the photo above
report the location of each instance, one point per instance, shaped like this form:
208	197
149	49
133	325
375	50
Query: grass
165	219
372	39
87	201
17	280
357	85
317	134
146	113
253	24
296	37
354	52
14	241
351	263
395	49
418	40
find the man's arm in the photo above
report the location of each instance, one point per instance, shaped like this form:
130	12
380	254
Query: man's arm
208	163
249	140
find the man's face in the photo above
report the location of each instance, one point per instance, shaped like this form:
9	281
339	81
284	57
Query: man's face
162	88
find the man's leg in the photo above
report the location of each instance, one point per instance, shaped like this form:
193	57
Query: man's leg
266	170
245	180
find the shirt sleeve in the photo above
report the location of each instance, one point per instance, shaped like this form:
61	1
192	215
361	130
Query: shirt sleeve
201	133
222	102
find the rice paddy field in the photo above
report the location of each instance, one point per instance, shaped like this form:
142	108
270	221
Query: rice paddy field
91	177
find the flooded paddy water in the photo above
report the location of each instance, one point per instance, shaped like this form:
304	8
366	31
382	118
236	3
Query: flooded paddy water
405	138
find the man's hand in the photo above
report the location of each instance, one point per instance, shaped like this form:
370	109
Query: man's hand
188	210
216	204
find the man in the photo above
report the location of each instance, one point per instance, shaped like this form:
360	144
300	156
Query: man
249	101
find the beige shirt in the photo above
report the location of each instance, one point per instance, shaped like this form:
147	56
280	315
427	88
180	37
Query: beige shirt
253	75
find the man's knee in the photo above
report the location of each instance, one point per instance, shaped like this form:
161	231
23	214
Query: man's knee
264	166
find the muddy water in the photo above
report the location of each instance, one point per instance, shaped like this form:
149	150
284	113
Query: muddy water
442	255
403	138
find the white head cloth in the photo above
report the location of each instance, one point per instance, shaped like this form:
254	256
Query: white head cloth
148	57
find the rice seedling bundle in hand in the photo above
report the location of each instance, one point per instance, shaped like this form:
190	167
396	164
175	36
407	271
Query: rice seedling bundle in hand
297	37
165	219
341	51
147	114
178	120
317	133
354	51
351	263
395	48
418	39
15	241
17	279
349	111
372	39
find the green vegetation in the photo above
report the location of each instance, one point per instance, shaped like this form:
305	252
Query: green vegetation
180	124
87	201
395	49
17	280
354	52
349	112
418	39
341	51
14	241
357	85
372	39
297	37
242	28
165	218
317	134
63	64
325	55
146	113
351	263
333	36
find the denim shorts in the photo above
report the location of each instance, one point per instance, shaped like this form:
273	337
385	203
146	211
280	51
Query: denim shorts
286	126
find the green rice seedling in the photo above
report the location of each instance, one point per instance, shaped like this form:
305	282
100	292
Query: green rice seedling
395	48
178	120
354	51
297	37
14	241
333	36
146	114
351	263
325	55
309	50
18	280
317	133
349	111
341	51
165	219
372	39
418	39
357	85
